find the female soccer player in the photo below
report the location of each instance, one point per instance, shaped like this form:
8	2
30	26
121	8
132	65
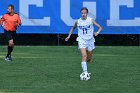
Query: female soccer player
85	36
9	22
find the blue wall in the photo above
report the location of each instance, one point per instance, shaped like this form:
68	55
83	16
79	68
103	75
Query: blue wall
57	16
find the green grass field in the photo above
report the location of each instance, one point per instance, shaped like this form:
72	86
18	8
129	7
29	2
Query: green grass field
56	69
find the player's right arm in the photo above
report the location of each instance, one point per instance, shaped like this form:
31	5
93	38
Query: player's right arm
71	31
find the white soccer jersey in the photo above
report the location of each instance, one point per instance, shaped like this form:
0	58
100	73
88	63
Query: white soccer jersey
85	28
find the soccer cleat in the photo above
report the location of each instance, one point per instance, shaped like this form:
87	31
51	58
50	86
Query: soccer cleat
8	58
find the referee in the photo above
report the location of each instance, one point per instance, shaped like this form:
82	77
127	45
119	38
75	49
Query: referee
9	22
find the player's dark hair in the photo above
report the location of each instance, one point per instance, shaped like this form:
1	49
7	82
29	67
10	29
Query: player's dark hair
12	6
84	8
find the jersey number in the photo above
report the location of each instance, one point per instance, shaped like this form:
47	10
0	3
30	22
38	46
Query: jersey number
84	30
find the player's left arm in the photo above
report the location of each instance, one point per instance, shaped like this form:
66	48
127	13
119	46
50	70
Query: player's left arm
97	25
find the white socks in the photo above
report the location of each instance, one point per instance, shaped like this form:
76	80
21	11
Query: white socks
84	66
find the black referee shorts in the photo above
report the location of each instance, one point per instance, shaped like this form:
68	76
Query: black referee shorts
10	35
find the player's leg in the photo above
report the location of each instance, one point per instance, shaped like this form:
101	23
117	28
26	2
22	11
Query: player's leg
84	63
84	54
90	48
84	59
89	55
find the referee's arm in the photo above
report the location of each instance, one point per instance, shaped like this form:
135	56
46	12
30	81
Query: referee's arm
18	21
1	20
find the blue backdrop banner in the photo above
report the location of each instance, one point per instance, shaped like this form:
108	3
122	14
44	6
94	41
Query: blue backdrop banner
57	16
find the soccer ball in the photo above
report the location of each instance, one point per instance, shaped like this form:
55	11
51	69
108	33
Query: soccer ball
85	76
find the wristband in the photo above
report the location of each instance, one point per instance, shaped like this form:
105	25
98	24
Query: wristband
97	32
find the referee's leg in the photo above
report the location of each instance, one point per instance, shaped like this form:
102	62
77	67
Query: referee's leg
10	46
9	37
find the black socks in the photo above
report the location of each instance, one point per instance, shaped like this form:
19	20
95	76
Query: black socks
10	49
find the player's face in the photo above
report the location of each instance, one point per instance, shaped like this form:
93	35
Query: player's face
84	14
10	10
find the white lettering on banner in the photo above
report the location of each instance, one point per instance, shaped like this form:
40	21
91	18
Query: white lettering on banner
65	16
115	14
65	11
24	13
